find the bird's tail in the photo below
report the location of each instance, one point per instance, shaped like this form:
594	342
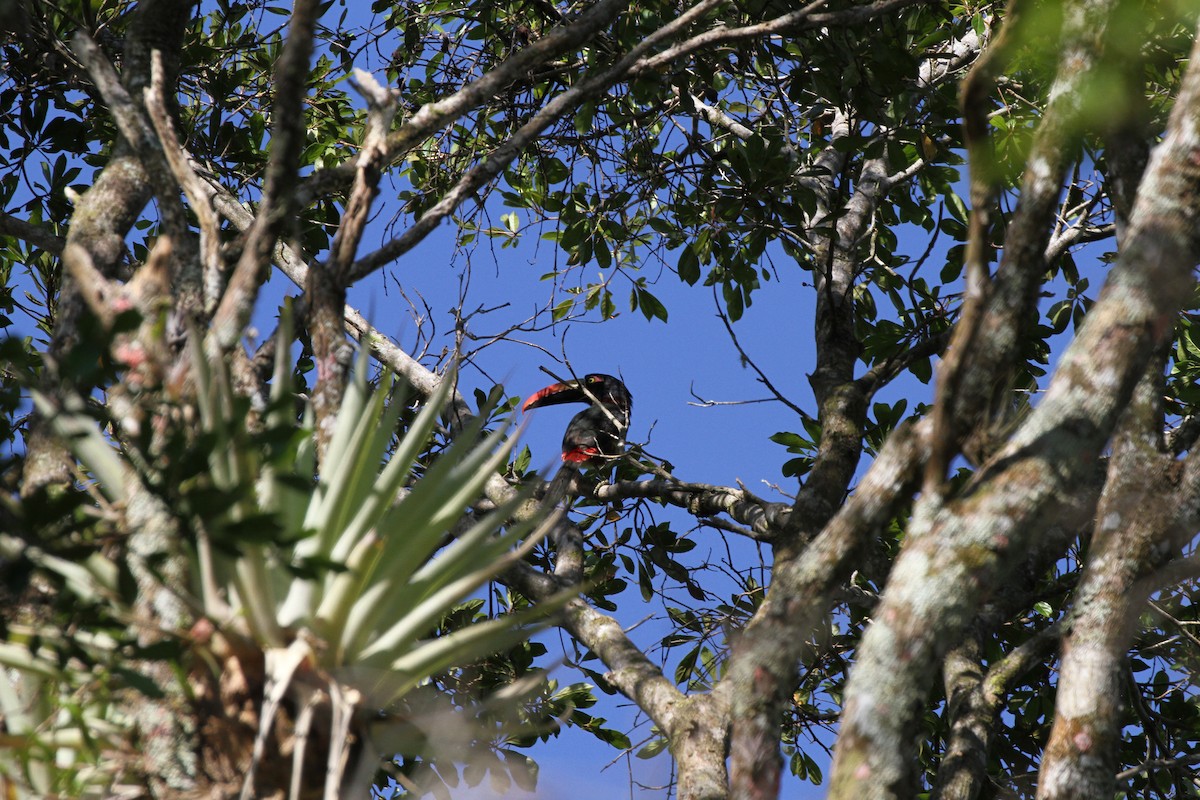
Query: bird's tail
556	490
566	538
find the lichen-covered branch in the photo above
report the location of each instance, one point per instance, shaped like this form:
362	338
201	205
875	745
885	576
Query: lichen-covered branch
695	726
1144	518
102	218
1011	306
763	663
763	519
37	235
967	545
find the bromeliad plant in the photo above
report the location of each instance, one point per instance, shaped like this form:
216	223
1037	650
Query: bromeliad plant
319	596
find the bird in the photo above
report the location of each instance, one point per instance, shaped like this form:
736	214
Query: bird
595	437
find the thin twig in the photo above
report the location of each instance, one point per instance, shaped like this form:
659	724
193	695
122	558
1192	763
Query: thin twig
746	359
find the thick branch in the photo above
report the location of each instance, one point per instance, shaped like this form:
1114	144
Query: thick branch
974	700
762	666
976	90
37	235
326	289
703	500
102	218
964	548
1142	521
135	131
1011	308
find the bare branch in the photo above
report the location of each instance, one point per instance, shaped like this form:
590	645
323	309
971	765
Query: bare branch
37	235
881	374
1150	765
762	376
434	116
326	288
589	86
155	96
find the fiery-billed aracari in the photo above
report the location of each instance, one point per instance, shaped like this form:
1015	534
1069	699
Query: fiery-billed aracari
596	435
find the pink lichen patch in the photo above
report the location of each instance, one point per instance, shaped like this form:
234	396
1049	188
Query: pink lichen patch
1083	742
131	354
202	631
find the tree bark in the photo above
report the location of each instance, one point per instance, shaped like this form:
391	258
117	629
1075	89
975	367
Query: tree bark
968	545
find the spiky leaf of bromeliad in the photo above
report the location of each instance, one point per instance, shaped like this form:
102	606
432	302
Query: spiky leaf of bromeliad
361	566
387	585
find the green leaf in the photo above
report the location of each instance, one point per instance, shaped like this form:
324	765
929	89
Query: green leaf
140	682
652	748
651	307
688	266
583	118
563	309
956	207
524	770
521	463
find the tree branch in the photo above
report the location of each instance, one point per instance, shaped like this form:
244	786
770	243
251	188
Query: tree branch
702	500
806	18
155	97
984	185
435	116
279	197
325	292
965	547
41	236
102	218
762	665
135	130
591	85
